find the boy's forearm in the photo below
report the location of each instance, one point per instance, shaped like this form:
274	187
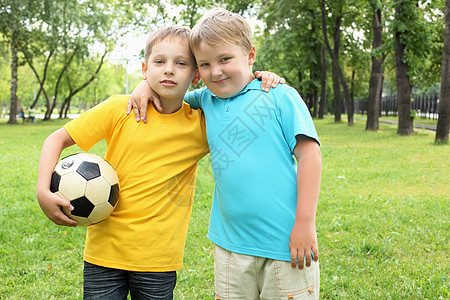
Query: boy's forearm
50	203
51	151
308	184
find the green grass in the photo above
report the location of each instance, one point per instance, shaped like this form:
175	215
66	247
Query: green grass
383	219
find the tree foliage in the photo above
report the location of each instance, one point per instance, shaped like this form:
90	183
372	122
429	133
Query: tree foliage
54	41
56	38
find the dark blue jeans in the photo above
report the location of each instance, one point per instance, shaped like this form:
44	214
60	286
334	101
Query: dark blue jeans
111	284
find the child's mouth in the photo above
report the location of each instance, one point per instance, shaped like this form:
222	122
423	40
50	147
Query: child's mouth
222	81
168	82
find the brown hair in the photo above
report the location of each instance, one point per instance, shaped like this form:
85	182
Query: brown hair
220	26
162	33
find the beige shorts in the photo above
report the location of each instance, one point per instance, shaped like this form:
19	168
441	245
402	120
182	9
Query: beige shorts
246	277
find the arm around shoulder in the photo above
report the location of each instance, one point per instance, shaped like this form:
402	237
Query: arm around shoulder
50	203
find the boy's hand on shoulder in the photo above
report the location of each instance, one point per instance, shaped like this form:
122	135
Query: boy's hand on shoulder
51	204
303	242
268	79
139	99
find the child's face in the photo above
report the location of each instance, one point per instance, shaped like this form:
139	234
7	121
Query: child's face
170	68
225	69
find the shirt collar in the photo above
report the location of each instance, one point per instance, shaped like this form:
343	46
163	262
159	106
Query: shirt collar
255	84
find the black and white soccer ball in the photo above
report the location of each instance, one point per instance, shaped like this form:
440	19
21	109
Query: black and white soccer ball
90	184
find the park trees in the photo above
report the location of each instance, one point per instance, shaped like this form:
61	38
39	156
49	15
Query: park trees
413	42
404	12
289	44
442	130
16	16
336	13
298	57
54	38
57	38
72	27
4	77
376	77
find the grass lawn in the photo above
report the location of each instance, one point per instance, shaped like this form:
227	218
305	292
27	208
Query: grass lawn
383	219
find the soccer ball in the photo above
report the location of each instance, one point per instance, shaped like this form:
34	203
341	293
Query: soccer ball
90	184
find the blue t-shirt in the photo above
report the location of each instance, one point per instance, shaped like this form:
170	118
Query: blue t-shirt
251	139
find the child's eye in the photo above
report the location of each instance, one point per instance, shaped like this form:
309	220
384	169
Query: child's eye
204	65
159	61
182	63
225	59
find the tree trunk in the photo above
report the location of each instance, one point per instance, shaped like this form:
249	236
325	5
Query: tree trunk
443	124
66	103
14	66
315	100
44	77
380	103
337	104
405	124
376	77
315	76
66	110
323	84
335	61
300	79
52	106
14	79
352	88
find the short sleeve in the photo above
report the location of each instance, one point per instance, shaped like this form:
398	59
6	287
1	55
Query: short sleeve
94	125
295	118
194	98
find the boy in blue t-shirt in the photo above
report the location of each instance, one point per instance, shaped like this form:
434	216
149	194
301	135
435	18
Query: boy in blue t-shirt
264	207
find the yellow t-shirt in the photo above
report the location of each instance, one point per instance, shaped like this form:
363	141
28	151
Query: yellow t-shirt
157	166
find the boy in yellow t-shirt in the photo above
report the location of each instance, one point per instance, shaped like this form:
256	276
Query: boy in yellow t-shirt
139	248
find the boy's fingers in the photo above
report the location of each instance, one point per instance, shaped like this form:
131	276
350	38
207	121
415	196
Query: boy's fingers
308	259
136	114
144	105
157	102
66	204
294	259
60	218
272	81
276	81
315	252
64	220
300	260
265	81
297	258
129	106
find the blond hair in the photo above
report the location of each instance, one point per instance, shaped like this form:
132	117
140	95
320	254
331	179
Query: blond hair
162	33
220	26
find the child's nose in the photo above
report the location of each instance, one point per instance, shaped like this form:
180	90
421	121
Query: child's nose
216	71
169	69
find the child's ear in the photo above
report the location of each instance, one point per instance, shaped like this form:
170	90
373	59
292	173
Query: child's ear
196	78
252	56
144	71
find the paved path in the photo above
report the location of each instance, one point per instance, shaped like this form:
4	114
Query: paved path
420	126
